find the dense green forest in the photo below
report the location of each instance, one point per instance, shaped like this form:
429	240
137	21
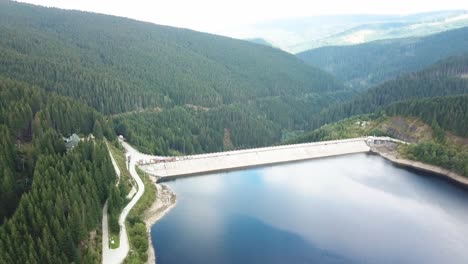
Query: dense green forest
33	123
447	77
447	113
190	130
450	113
173	91
56	220
187	131
118	65
441	114
364	65
44	189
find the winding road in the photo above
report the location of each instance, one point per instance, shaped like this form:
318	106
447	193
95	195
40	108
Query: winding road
117	255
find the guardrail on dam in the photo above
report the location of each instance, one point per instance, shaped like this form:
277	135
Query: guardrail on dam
213	162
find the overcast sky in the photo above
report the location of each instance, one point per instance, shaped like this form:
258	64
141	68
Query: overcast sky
217	16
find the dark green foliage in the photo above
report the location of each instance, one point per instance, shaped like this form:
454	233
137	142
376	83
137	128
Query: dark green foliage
62	207
371	63
444	113
35	121
443	155
183	130
116	202
8	192
444	78
97	130
117	65
138	238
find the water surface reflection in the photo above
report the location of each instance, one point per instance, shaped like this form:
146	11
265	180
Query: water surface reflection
355	208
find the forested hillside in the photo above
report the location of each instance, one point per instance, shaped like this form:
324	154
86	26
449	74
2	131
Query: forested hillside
440	116
190	130
447	77
364	65
32	123
44	189
450	113
56	220
118	65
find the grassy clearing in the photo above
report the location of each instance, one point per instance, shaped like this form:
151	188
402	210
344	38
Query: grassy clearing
119	155
116	239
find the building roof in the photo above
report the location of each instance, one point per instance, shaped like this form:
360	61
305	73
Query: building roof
72	141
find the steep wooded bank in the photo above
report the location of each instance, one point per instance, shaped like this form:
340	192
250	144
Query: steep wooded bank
447	77
437	126
365	65
449	113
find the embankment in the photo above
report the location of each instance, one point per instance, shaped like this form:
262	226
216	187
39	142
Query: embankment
423	167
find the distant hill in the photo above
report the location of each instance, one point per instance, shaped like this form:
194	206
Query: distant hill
259	41
447	77
363	65
301	34
117	65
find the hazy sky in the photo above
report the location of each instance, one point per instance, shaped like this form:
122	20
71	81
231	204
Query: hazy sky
217	16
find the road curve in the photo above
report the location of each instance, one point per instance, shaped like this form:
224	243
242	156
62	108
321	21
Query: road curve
117	255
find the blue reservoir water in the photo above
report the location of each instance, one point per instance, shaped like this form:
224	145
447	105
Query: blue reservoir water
348	209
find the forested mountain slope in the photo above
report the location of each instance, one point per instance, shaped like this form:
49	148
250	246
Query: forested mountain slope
32	123
371	63
449	113
117	65
44	189
447	77
437	127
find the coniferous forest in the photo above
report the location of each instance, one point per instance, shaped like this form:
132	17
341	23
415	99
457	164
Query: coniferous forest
51	198
171	92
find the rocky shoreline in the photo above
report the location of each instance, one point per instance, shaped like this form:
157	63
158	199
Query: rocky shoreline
393	156
165	201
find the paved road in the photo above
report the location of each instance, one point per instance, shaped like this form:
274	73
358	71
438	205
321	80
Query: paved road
117	255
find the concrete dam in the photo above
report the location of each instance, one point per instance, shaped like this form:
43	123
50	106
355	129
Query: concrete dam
168	168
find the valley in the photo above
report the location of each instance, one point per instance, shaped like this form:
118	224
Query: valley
105	119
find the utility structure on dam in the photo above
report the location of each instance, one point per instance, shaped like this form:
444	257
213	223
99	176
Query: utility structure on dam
170	167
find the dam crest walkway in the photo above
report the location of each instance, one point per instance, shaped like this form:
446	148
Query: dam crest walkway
167	168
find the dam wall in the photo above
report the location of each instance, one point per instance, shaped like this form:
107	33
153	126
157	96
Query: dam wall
221	161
